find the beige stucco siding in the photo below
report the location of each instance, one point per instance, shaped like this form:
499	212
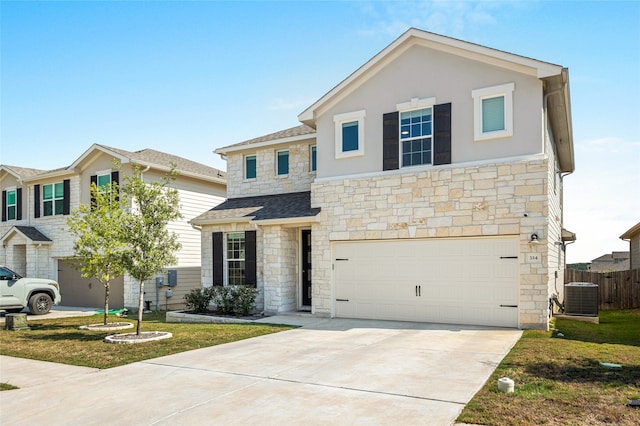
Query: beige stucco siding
423	73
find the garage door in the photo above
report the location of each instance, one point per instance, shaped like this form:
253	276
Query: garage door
457	281
81	292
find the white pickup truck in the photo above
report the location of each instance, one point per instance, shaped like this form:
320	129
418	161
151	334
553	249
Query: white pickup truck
17	292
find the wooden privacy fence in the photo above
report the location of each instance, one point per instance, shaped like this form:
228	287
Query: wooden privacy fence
617	290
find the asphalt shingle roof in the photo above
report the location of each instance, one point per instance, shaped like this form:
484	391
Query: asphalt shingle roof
151	156
264	207
33	234
301	130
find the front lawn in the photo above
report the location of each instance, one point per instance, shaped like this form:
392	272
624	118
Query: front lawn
559	379
60	340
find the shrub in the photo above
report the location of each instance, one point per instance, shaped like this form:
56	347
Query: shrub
246	299
234	300
198	299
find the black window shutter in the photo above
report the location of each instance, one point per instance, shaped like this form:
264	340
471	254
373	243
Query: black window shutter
4	206
442	134
19	204
115	177
250	263
66	198
94	179
36	200
390	141
218	258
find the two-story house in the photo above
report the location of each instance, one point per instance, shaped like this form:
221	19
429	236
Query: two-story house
34	237
426	186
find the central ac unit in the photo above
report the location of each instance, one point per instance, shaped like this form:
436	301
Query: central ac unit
581	299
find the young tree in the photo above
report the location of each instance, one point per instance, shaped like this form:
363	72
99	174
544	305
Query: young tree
98	245
150	245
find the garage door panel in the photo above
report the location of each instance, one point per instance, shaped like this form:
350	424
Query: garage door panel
459	280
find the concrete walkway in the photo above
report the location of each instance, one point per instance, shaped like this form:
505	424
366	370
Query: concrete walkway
330	371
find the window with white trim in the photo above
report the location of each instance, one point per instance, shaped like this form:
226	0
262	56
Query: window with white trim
349	134
493	112
416	131
282	163
235	257
250	167
12	204
53	199
313	161
103	180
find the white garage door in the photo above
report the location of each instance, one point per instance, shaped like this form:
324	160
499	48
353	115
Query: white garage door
456	281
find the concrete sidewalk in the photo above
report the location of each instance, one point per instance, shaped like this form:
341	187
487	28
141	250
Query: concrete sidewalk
329	371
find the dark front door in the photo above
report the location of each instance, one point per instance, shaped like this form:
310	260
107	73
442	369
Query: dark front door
306	267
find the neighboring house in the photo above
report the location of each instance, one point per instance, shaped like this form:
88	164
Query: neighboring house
34	237
426	186
633	236
615	261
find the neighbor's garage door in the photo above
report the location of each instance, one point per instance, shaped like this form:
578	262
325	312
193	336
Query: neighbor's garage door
458	281
81	292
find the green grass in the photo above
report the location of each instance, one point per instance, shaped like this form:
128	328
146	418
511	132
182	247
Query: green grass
559	380
60	340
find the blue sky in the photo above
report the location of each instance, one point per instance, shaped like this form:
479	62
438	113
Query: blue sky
188	77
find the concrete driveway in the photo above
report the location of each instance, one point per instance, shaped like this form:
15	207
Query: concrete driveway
327	372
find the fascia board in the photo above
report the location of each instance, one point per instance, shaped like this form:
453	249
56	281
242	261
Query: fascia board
202	222
287	221
96	147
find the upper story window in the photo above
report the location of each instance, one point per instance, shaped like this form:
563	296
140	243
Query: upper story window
250	167
11	209
313	161
53	199
416	130
349	134
103	180
493	112
282	163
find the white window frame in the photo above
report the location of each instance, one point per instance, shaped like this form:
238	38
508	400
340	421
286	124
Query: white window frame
311	149
102	173
349	117
227	260
415	104
244	161
52	200
284	175
15	205
478	95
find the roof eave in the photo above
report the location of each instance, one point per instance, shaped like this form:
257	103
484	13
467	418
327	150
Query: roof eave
205	221
559	112
634	230
290	139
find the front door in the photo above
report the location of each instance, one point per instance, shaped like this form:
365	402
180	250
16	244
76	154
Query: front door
306	267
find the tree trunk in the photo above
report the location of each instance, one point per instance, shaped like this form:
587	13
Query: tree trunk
106	303
140	307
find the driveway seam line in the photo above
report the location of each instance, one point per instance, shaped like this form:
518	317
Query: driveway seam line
264	378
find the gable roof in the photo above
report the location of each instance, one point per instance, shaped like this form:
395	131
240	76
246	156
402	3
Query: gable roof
291	134
29	232
157	160
260	208
20	172
555	78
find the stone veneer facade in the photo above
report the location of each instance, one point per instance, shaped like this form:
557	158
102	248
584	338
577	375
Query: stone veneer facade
267	182
445	202
276	263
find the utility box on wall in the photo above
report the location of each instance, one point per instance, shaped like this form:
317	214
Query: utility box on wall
172	277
